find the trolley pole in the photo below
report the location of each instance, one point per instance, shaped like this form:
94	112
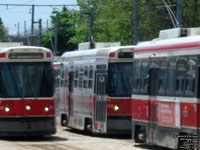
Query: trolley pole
135	12
56	35
179	10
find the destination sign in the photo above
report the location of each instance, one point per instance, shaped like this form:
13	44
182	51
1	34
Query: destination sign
26	56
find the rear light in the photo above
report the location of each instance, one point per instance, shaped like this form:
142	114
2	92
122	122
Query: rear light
112	55
48	54
7	108
2	55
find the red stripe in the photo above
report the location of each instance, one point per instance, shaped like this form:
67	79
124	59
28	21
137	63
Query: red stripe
17	107
169	47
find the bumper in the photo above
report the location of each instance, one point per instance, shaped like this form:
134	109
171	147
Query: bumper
27	126
119	124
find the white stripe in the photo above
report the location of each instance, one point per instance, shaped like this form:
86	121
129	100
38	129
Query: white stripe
167	98
167	53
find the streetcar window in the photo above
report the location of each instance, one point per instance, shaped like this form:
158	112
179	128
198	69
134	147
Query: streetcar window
144	77
190	76
85	83
137	71
120	79
81	80
163	76
86	71
91	71
26	80
76	75
76	72
171	76
180	75
90	83
91	76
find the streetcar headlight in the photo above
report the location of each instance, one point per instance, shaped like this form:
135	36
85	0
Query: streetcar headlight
7	109
28	107
46	108
116	107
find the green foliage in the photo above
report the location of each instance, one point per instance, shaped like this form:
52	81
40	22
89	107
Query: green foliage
113	21
66	30
3	32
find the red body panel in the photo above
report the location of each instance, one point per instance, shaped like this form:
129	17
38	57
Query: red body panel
140	109
17	107
124	106
189	113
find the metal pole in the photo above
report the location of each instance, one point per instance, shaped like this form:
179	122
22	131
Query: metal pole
32	25
91	25
179	10
40	32
47	24
24	28
18	28
56	35
135	37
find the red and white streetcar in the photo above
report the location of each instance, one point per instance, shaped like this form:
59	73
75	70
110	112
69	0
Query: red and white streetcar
26	91
166	90
96	89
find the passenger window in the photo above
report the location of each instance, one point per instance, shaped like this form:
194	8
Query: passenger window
76	76
137	73
144	77
163	76
190	76
180	76
171	76
91	76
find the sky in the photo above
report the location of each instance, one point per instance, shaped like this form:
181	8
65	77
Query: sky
14	16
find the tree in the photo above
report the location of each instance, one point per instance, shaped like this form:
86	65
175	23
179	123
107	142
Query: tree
66	30
3	32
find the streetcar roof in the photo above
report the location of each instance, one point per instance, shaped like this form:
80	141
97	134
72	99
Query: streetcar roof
168	47
4	49
159	44
104	52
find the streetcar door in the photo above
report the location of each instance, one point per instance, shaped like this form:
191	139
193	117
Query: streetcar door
100	103
153	85
71	86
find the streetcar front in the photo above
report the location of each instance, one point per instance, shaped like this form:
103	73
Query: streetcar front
26	91
119	90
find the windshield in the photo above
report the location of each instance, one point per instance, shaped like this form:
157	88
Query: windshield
26	79
120	79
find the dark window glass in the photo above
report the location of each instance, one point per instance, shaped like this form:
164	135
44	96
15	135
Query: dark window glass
136	79
120	79
163	76
190	75
144	77
91	69
76	72
81	80
26	80
171	76
180	75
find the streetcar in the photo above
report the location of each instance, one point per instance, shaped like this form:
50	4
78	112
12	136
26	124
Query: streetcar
166	90
96	89
26	91
57	66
